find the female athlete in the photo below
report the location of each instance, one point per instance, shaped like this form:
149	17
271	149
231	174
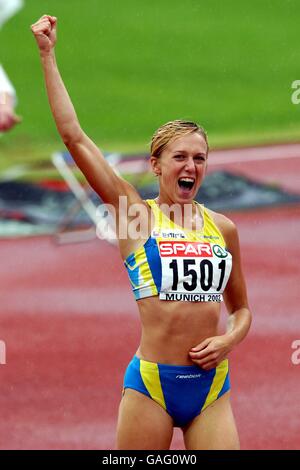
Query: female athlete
182	261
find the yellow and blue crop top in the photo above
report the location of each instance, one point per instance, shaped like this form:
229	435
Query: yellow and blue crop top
178	264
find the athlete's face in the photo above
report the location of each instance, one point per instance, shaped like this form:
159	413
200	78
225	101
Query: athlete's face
181	168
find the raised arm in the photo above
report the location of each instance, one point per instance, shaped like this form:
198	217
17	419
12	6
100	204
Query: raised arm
86	154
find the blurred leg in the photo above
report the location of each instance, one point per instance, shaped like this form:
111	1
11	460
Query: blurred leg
142	423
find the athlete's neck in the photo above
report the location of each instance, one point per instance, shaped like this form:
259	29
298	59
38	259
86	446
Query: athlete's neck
188	214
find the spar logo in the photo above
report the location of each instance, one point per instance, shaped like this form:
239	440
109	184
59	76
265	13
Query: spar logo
220	252
185	249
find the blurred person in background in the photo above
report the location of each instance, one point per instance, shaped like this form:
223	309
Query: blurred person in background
8	117
179	375
8	99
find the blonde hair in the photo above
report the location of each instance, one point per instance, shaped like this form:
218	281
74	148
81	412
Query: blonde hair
173	130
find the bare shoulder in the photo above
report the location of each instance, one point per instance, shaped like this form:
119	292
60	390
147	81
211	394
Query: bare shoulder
225	225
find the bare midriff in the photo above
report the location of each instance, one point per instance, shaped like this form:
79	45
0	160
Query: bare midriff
171	328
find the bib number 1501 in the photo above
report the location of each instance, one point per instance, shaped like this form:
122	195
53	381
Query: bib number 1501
204	273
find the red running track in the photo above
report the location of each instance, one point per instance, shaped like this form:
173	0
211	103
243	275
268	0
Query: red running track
70	326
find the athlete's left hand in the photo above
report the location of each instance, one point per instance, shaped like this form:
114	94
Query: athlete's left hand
211	351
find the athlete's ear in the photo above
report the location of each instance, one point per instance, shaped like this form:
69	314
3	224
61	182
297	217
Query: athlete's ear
155	164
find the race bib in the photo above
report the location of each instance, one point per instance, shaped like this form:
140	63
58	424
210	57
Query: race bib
193	271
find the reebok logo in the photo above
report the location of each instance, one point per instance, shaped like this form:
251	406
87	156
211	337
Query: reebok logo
188	376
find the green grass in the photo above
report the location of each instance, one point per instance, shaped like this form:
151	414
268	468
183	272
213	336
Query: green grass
131	66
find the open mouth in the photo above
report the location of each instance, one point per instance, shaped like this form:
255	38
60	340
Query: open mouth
186	183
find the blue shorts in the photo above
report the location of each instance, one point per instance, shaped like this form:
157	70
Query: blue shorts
183	391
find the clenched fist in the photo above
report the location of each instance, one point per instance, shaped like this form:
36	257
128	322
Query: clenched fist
44	31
